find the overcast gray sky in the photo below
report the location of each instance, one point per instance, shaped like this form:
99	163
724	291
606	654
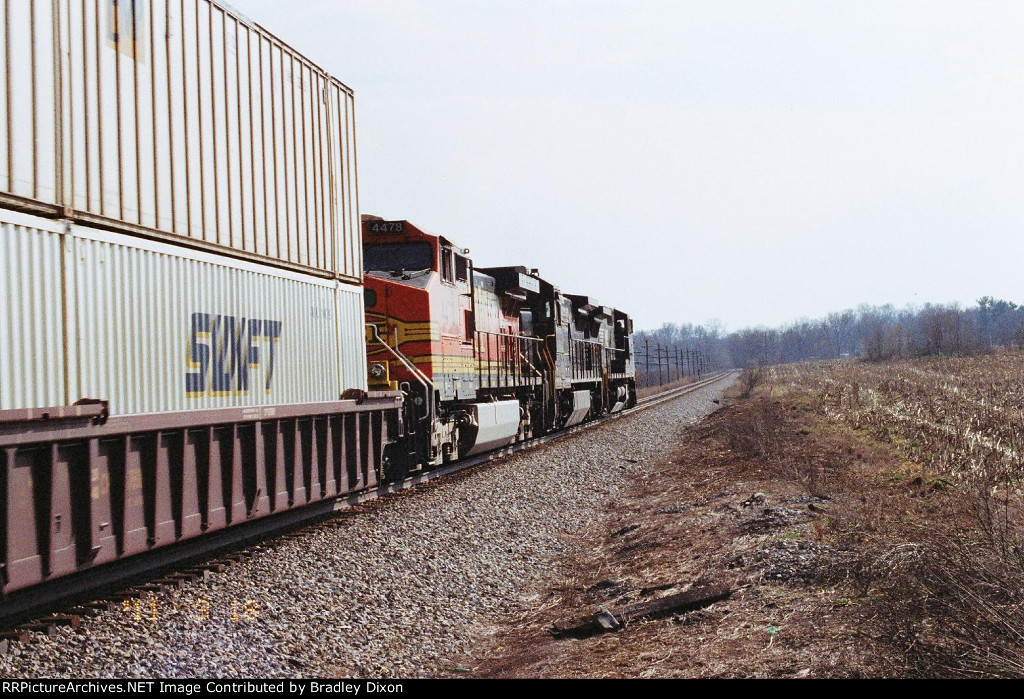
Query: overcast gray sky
753	162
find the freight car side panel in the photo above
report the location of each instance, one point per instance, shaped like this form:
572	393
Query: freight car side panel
350	337
178	119
76	493
32	371
156	328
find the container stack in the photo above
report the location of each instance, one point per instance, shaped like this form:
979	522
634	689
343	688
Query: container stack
179	220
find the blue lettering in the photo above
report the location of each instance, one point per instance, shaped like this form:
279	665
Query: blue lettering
253	359
224	349
198	354
271	331
225	358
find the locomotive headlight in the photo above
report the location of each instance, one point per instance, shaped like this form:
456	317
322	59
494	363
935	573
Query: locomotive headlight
378	371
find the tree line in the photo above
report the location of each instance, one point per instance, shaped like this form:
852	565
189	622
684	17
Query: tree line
875	333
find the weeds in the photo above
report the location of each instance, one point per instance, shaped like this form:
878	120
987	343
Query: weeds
756	432
936	548
749	380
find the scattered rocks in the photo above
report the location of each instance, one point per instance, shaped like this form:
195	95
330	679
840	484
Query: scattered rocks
734	560
755	499
792	560
770	518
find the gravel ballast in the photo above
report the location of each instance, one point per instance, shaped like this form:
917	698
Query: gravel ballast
396	588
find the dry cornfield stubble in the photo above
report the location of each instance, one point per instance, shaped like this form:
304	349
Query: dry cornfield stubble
868	518
948	579
961	416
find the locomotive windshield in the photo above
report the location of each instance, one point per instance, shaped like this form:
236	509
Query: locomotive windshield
394	257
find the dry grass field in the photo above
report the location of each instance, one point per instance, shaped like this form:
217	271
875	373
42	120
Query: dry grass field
868	518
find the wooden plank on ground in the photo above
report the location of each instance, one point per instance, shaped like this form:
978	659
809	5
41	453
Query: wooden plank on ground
614	619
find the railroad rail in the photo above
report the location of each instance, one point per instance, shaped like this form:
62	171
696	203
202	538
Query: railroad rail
642	404
179	562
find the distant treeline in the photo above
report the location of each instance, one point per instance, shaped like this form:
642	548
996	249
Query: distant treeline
874	333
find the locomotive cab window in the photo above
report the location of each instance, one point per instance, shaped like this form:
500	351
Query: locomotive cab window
461	268
447	271
398	257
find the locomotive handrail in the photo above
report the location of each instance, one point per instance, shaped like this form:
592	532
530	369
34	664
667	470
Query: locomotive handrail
582	360
420	376
510	335
528	363
510	360
428	385
552	389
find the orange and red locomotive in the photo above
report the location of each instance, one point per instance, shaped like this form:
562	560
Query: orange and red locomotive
486	357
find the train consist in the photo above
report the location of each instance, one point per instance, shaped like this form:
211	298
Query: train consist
187	339
485	357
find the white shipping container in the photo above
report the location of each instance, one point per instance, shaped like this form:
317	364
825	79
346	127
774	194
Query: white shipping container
179	119
152	327
32	371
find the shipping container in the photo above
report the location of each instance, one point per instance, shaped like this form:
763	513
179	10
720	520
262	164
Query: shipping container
153	328
32	325
178	120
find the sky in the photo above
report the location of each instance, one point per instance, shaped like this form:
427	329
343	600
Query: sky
751	162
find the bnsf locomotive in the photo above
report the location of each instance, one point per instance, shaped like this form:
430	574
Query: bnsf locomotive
485	356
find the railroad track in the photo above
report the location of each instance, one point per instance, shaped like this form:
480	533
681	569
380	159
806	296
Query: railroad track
462	465
128	583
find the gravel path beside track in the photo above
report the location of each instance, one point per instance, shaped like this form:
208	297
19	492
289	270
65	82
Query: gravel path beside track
395	589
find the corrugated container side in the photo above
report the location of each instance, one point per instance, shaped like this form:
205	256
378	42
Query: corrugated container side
157	331
346	186
6	162
351	327
93	314
181	119
29	126
31	313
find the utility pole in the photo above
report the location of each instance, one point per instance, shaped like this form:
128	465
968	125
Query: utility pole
647	360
